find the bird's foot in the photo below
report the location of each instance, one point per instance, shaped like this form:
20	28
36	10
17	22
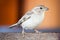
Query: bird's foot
23	34
37	31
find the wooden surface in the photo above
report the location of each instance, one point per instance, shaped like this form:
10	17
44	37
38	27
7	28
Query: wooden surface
29	36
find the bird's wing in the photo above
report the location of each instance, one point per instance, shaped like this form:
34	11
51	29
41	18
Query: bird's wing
25	17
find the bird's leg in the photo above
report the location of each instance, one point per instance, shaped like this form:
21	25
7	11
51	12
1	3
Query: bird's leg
36	31
23	32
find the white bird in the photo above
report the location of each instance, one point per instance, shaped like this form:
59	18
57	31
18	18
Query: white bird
32	18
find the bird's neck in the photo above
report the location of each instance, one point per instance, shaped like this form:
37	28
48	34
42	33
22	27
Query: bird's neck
34	11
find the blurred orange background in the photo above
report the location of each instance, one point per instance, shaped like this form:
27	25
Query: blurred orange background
12	10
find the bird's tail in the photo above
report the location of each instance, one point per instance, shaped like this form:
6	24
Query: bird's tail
14	25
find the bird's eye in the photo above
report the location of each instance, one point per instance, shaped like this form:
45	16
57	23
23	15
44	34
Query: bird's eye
41	8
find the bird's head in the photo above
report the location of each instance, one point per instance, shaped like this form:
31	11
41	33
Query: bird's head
40	8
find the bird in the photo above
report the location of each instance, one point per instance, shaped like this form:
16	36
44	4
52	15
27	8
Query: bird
31	19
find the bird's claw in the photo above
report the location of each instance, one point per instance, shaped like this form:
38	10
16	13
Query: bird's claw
36	31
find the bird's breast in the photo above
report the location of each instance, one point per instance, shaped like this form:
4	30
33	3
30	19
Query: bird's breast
37	18
33	21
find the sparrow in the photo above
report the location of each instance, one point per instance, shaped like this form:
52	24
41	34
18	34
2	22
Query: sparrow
31	19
